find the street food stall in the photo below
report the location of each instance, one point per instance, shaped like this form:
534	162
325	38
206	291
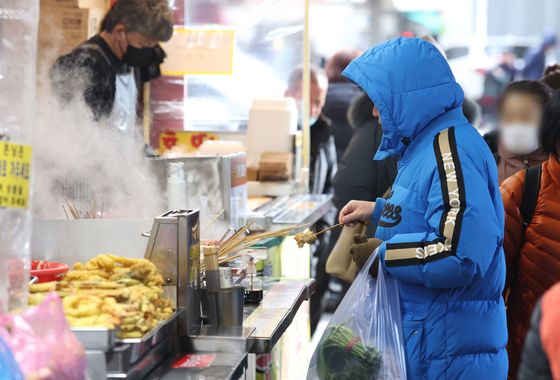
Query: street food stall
211	286
182	341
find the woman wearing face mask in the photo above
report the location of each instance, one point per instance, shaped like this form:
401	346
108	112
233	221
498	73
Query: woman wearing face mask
101	71
520	115
532	239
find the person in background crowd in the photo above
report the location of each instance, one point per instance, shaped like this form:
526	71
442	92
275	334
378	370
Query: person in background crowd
101	70
535	59
323	166
542	345
516	141
323	163
339	96
532	241
359	176
551	77
449	264
495	81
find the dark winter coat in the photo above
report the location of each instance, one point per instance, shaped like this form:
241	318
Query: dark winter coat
323	157
89	72
359	177
339	97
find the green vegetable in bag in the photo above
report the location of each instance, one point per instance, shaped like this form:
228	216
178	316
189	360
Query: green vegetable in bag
343	356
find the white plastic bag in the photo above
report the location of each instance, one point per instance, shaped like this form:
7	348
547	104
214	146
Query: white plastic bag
364	339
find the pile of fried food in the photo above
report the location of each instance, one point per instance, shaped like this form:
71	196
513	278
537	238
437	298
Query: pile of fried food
110	291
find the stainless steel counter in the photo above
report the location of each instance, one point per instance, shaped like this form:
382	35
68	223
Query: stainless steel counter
291	210
276	312
267	323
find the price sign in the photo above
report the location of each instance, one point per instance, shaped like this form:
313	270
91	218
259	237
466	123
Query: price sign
194	361
15	173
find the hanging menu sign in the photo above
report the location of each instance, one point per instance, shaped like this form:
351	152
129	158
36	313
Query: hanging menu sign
199	51
15	173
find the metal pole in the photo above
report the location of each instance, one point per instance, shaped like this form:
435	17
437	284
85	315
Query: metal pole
306	94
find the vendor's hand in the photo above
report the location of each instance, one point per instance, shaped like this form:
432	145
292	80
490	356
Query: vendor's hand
362	249
356	211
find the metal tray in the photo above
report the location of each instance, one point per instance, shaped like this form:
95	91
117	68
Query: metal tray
96	338
129	351
300	209
119	366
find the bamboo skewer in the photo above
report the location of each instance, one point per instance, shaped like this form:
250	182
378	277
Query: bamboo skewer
65	213
229	249
213	221
329	228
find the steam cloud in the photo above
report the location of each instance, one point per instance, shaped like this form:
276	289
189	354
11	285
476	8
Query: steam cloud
88	163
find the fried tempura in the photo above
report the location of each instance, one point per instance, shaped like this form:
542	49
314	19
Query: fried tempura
44	287
110	291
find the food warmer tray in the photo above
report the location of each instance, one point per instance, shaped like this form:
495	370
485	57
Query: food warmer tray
127	352
96	338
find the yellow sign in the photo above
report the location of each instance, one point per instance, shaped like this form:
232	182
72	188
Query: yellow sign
188	141
15	171
199	51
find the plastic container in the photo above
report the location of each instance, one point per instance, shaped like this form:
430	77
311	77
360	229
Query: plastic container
46	271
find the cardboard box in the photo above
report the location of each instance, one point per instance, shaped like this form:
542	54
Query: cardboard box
61	29
275	166
65	24
97	10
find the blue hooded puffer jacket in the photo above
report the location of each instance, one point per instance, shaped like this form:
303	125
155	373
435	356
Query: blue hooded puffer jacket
442	224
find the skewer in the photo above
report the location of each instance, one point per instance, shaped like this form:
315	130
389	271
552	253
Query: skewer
65	213
239	241
329	228
212	221
73	210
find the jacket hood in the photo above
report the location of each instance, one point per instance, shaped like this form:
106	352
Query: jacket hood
410	83
359	113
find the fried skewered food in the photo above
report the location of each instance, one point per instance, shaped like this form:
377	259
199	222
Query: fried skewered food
308	237
110	291
303	238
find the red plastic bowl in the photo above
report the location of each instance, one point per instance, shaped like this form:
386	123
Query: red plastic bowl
47	271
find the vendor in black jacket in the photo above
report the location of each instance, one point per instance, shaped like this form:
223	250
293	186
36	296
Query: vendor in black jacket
321	171
100	71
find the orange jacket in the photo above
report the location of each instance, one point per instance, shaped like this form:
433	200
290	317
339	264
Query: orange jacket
542	344
550	334
538	265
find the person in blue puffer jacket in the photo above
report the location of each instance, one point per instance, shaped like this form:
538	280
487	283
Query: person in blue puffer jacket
442	223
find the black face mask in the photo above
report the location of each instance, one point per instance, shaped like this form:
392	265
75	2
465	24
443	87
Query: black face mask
137	57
